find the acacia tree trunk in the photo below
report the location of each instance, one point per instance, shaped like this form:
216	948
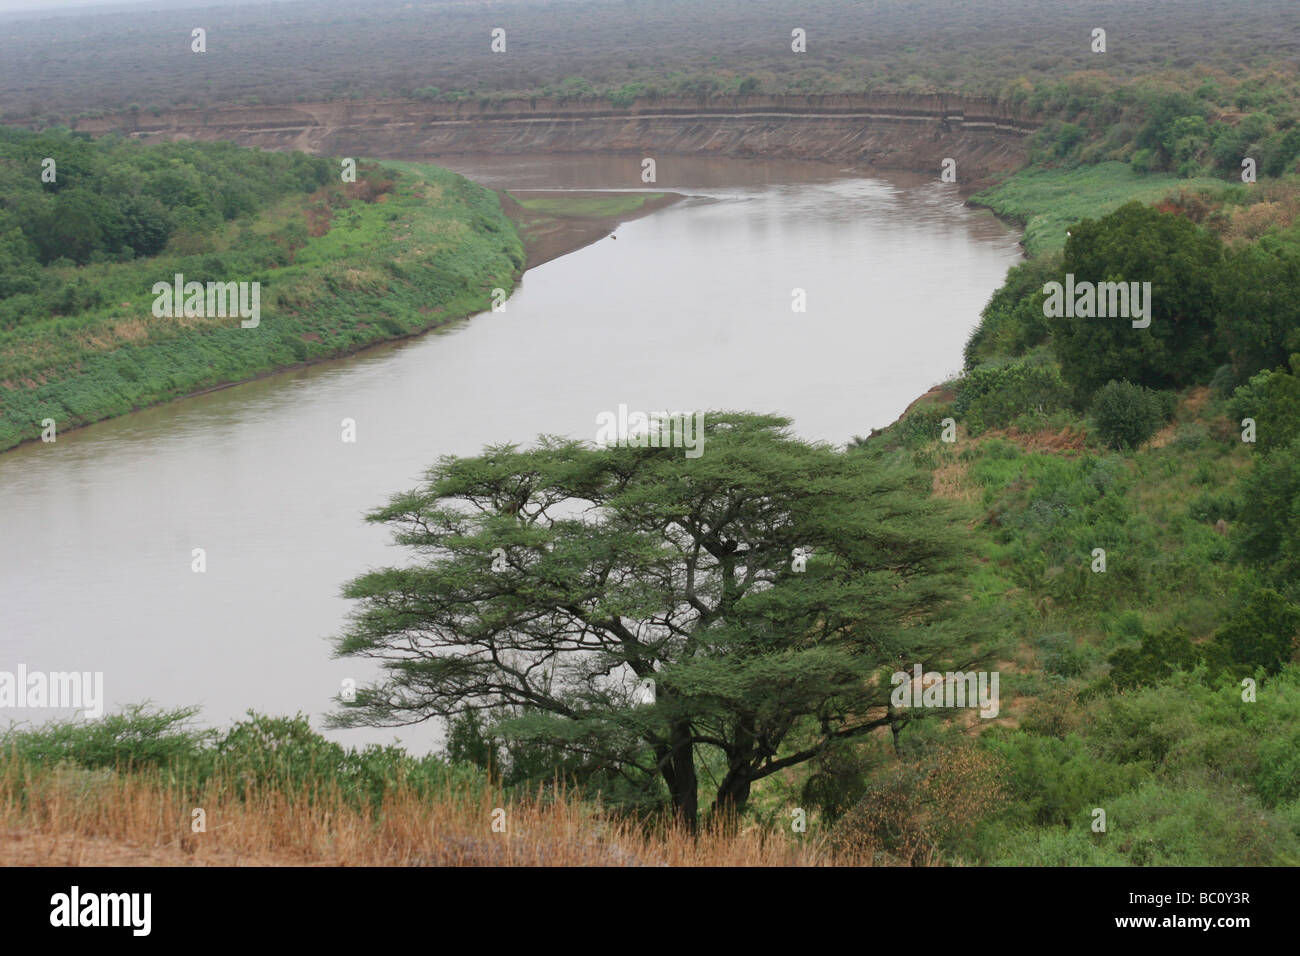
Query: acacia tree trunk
679	774
733	793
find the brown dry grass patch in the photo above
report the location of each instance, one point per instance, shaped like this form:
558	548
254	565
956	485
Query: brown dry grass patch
1068	440
950	482
99	818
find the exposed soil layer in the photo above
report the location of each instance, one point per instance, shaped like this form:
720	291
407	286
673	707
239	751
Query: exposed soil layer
881	131
549	235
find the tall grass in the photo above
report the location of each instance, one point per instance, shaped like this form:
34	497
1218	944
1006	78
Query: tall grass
272	791
1049	201
63	816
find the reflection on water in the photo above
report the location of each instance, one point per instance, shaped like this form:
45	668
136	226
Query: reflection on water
689	309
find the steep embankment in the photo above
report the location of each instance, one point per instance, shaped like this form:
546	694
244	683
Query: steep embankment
326	274
879	130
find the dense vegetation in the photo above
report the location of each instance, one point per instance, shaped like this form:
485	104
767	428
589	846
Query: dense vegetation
1136	493
1131	568
281	52
1132	494
340	264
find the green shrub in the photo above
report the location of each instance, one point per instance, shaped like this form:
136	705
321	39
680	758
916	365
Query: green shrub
1270	513
924	423
1262	633
1059	655
134	738
1272	400
1190	436
992	396
1277	779
1057	782
1156	658
1126	415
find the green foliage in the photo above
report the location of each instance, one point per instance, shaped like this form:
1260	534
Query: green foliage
1050	200
768	663
135	738
1055	782
1262	634
78	344
626	94
1224	382
116	198
1257	293
1186	773
1126	415
1179	259
255	754
1190	436
1269	532
1272	399
924	423
1012	322
1158	656
1059	655
991	396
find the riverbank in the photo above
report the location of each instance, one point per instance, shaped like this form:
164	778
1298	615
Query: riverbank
880	131
550	224
554	223
1045	202
337	270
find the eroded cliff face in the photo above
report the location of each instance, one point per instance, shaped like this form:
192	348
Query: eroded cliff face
914	133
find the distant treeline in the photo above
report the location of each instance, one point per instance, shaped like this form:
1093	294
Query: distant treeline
1191	125
285	52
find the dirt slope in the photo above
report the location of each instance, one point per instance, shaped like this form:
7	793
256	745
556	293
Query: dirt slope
914	133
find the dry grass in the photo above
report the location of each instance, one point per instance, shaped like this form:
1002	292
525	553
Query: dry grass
72	817
950	482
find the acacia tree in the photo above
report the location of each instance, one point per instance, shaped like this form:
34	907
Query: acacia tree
616	566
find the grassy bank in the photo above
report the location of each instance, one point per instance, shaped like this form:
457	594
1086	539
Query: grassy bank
341	267
1047	201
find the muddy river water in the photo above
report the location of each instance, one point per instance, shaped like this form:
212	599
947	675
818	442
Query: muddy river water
691	308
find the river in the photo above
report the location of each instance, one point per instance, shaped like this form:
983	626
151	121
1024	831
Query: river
689	309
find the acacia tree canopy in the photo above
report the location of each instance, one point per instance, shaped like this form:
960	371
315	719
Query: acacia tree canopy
617	565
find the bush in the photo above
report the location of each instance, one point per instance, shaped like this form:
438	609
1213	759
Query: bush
923	811
924	424
1158	656
1126	415
1180	260
1270	512
1261	634
991	396
1192	435
1272	399
134	738
1058	655
1012	322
